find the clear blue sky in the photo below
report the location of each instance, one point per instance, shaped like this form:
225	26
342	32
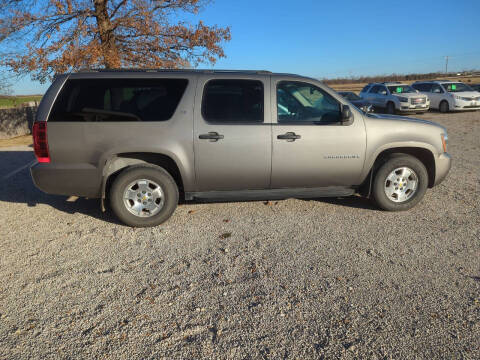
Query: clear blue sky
343	37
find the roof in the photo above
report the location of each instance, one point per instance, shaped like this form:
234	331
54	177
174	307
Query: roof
435	81
132	73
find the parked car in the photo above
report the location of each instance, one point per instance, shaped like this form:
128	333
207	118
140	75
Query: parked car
142	139
356	100
475	87
395	97
449	95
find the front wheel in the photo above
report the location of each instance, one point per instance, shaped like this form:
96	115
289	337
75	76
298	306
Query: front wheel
400	183
144	196
390	108
444	106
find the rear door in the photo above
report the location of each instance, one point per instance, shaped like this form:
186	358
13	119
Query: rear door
311	147
232	133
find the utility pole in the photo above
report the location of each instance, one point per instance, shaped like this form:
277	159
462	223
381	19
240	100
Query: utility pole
446	64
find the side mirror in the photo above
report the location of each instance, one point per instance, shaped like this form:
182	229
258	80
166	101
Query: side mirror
347	115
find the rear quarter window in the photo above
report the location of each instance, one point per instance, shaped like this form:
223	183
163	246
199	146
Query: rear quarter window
99	100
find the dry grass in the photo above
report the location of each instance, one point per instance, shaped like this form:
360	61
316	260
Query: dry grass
21	140
13	101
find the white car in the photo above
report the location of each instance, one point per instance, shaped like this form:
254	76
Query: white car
395	97
449	95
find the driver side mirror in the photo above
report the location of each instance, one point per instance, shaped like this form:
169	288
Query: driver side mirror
347	115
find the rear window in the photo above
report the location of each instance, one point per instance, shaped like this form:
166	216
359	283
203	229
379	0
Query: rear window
118	100
233	101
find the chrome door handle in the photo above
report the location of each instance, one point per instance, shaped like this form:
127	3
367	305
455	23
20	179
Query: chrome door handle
289	136
212	136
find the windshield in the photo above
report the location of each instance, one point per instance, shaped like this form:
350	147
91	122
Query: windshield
350	96
401	89
456	87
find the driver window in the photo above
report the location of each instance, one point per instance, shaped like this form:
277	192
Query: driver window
436	89
303	102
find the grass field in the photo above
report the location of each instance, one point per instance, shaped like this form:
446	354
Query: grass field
12	101
17	141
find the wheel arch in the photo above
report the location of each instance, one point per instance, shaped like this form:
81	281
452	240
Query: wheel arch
116	163
423	154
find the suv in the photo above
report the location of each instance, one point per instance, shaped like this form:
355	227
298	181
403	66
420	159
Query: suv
144	139
393	96
449	95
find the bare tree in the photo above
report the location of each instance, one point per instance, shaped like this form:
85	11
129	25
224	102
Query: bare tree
44	37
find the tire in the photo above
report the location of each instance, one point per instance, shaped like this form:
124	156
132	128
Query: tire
150	186
409	193
390	108
443	107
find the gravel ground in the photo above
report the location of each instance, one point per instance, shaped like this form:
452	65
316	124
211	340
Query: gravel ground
331	278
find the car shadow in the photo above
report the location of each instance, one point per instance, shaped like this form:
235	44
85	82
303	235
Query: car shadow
357	202
16	186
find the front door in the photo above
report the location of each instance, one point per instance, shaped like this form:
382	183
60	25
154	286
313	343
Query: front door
436	95
232	138
311	147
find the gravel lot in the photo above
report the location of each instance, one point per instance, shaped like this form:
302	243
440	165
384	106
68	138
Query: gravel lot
330	278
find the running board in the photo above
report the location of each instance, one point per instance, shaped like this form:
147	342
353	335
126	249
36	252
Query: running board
270	194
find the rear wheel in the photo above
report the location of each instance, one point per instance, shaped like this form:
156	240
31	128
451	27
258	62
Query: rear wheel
443	106
144	196
400	183
390	108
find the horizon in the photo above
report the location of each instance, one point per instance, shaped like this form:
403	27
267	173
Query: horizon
371	39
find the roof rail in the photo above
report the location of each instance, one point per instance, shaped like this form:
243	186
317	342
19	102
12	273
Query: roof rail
205	71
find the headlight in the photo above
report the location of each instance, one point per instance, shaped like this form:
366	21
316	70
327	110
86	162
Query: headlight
461	98
444	141
403	99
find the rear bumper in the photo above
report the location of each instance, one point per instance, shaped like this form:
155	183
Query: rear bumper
442	167
67	180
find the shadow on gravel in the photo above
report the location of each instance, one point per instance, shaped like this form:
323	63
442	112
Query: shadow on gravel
351	202
16	186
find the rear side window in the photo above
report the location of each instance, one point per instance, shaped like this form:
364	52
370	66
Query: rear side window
118	100
233	101
426	87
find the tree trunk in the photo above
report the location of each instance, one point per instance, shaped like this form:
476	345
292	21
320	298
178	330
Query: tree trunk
107	37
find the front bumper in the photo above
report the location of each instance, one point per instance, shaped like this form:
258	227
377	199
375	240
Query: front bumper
443	164
459	105
84	180
407	107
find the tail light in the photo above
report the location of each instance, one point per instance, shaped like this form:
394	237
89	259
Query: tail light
40	141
